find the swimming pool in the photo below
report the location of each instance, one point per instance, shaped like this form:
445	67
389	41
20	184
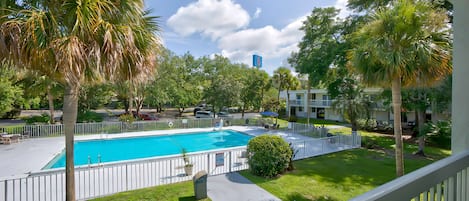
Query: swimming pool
119	149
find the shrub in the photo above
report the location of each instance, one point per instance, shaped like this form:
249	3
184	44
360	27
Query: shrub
89	116
439	134
369	125
128	118
44	118
268	155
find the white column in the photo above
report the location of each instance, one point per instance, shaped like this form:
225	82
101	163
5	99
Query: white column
305	104
460	99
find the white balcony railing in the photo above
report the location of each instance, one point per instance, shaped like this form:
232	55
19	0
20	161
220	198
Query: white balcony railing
321	103
447	179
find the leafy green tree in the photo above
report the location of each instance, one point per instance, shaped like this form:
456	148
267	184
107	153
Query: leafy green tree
404	44
223	85
320	47
10	92
94	96
349	99
73	42
284	80
42	85
255	82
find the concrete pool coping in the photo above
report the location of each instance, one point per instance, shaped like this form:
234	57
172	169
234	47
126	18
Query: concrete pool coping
31	155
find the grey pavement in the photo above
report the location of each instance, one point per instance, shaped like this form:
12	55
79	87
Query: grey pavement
29	155
234	187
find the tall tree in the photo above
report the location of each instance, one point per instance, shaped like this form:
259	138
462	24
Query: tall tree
320	46
74	41
254	82
10	92
284	80
348	96
403	44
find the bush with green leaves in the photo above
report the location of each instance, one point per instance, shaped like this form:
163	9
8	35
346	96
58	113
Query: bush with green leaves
268	155
44	118
439	134
89	116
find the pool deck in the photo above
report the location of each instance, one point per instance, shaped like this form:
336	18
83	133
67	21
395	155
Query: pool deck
31	155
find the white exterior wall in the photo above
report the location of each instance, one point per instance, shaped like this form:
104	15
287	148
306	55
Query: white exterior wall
333	115
460	111
381	115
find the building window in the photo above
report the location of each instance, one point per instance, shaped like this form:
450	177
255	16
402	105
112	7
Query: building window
313	109
300	109
313	96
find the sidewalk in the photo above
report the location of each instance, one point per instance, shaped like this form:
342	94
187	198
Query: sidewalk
234	187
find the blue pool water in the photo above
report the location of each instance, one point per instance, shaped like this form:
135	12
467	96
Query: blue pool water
119	149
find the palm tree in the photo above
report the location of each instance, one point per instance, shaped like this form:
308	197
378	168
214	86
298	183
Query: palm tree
74	42
404	44
284	80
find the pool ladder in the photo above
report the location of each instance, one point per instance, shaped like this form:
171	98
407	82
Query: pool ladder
99	160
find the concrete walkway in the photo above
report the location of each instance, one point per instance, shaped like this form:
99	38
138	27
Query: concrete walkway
234	187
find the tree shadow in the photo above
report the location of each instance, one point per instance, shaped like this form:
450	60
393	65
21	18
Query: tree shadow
188	198
299	197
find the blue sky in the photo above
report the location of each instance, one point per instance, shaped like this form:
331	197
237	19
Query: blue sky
236	28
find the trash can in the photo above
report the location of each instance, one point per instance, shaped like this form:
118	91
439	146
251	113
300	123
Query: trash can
200	185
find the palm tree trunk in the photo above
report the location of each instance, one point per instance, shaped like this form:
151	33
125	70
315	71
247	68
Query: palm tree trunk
396	102
69	118
288	101
51	104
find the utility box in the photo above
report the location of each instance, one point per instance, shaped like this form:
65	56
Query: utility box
200	185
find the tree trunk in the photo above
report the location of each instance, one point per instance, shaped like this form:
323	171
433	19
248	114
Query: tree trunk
396	102
288	101
242	111
69	119
51	105
421	134
308	110
278	104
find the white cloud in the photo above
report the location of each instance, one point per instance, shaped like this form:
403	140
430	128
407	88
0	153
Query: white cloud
269	42
212	18
257	13
342	5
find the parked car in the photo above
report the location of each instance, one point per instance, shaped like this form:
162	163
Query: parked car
203	114
224	115
147	117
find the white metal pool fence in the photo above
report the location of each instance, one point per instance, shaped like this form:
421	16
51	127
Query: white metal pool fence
53	130
106	179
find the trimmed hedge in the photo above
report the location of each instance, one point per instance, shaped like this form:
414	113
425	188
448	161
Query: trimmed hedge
268	155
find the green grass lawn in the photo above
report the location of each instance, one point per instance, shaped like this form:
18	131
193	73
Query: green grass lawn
344	175
183	191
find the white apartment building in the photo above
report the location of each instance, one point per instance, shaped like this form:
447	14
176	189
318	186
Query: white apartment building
320	106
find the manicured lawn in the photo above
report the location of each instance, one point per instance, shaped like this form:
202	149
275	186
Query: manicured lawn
183	191
338	176
343	175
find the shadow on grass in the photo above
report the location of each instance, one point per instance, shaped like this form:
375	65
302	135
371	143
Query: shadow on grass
299	197
188	198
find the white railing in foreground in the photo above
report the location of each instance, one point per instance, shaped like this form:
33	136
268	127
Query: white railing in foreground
106	179
447	179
